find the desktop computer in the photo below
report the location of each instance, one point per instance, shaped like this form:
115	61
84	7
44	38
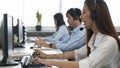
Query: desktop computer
19	32
6	43
6	36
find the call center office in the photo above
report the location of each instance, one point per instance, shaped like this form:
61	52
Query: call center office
43	17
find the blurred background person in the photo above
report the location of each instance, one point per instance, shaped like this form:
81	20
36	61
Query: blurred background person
61	33
77	36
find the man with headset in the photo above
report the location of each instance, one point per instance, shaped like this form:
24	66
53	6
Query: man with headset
77	37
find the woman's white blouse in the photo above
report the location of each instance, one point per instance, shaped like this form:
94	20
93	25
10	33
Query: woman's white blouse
104	53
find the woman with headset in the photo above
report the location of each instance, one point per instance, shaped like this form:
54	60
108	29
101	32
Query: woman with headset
102	43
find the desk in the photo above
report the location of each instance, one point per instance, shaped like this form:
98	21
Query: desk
18	66
19	52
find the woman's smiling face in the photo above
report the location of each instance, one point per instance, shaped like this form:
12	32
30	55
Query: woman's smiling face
86	17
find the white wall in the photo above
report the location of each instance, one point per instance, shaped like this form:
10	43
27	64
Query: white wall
12	7
47	7
26	9
114	11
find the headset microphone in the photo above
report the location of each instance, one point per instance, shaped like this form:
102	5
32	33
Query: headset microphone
89	26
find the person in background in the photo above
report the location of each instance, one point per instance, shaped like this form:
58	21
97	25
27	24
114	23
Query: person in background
61	33
77	37
102	49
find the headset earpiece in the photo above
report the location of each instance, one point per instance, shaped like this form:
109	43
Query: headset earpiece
75	15
93	15
93	12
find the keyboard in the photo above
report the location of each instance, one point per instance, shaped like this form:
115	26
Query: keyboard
27	62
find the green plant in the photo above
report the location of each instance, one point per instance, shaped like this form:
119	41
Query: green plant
38	16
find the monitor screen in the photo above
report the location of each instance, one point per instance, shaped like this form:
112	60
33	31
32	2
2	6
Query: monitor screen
6	36
20	31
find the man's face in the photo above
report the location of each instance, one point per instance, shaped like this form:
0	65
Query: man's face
70	20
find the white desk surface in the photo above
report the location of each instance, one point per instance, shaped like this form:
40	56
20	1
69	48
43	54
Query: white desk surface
27	51
17	66
24	51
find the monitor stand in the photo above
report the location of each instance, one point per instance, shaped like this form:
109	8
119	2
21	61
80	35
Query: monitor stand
6	62
9	63
19	46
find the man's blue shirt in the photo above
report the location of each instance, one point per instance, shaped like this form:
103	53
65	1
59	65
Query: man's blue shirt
75	41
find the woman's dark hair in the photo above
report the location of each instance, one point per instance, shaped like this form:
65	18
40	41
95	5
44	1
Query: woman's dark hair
103	20
0	44
60	21
75	13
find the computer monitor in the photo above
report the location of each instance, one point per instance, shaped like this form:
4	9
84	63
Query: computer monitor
6	37
20	31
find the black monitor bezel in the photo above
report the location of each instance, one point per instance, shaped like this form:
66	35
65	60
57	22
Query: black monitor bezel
6	47
20	31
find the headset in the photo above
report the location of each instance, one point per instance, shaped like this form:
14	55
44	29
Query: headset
76	17
95	3
75	14
93	12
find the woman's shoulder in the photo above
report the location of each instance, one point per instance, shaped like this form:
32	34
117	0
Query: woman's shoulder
106	39
110	40
63	27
